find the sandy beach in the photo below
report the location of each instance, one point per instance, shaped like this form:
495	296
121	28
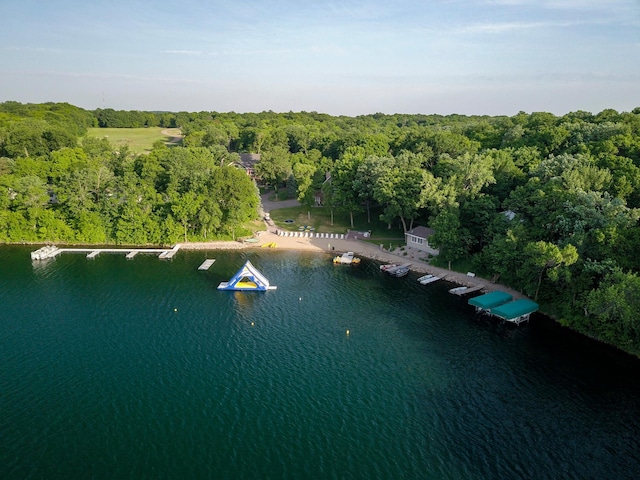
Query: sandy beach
359	248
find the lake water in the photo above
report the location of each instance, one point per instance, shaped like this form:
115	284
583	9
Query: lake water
113	368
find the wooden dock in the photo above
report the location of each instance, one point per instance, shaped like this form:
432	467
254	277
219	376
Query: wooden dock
467	290
52	252
207	263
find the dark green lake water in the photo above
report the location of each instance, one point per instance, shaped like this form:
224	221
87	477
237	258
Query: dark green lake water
101	377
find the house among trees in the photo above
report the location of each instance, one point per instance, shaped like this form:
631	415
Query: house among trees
418	238
248	162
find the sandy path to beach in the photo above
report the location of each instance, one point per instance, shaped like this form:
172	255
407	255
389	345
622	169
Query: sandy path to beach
360	248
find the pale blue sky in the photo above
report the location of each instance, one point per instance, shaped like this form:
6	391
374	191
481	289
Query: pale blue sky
351	57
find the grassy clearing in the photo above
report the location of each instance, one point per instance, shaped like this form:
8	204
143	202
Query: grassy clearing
320	219
139	140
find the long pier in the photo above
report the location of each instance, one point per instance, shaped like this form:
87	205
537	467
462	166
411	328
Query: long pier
51	251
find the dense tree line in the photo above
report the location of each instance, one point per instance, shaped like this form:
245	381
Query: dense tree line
56	185
548	203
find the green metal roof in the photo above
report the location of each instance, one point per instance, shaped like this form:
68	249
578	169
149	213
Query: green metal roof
515	309
490	300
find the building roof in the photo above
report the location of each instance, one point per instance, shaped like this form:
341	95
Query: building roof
490	300
515	309
422	232
249	160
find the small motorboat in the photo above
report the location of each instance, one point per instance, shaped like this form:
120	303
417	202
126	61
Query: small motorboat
458	289
431	279
388	266
400	272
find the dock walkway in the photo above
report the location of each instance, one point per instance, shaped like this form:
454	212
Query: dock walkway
51	251
467	290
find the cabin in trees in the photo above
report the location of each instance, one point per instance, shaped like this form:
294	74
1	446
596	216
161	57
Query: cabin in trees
248	162
418	238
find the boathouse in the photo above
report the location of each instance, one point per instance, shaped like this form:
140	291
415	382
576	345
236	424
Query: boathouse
490	300
517	311
248	278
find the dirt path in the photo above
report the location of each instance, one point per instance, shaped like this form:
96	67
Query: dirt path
268	205
175	137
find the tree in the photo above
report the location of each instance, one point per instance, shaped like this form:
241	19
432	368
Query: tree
468	174
613	310
403	187
303	174
449	237
343	175
184	209
274	167
546	258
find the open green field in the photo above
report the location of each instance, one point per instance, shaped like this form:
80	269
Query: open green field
139	140
320	219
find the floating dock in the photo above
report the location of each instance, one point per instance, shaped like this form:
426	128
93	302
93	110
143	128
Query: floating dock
51	251
207	263
465	290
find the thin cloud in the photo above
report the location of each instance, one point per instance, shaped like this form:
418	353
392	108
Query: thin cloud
191	53
497	28
33	49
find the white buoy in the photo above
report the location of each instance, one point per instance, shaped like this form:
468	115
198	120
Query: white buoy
300	299
348	333
175	309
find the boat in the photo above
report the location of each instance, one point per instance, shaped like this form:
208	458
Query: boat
458	289
48	251
346	259
430	280
424	277
400	271
270	245
386	267
393	269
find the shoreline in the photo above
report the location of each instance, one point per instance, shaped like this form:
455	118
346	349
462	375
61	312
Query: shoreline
332	247
359	248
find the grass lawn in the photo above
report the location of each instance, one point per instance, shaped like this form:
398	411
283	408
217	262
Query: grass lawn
320	219
139	140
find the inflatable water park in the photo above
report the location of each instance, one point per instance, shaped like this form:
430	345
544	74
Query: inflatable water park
248	278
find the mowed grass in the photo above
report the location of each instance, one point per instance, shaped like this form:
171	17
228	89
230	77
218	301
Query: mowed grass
320	219
139	140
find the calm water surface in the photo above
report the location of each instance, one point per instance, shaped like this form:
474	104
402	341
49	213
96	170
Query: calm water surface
114	368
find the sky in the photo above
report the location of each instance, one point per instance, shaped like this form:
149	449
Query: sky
349	57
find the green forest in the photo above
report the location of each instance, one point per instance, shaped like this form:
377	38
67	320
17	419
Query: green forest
548	204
